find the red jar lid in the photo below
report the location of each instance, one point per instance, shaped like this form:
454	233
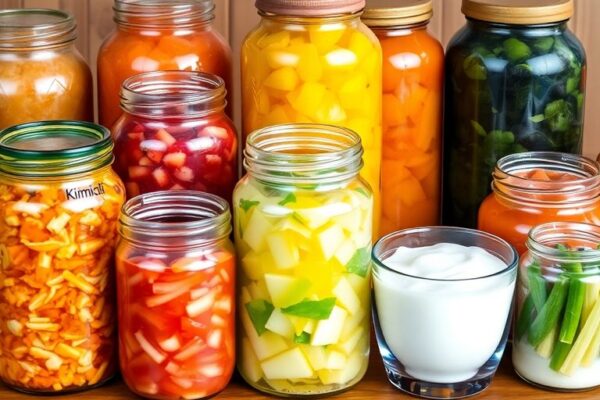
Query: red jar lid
310	8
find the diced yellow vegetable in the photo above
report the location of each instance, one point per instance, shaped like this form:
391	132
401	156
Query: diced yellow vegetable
291	364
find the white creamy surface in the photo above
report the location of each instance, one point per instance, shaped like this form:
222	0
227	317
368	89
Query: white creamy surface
536	369
443	331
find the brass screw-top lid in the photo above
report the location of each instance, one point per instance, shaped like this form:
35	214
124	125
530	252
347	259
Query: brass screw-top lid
381	13
518	12
310	8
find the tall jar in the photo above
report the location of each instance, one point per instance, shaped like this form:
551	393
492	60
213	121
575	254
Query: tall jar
413	65
515	82
174	134
557	330
536	187
176	288
42	75
59	205
158	35
302	223
315	63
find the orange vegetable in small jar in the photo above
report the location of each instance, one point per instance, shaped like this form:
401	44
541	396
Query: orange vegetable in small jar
59	205
42	75
533	188
413	63
176	295
158	35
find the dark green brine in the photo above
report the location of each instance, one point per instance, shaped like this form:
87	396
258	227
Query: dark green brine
509	89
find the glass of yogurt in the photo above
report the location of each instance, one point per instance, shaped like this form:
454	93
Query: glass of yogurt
442	308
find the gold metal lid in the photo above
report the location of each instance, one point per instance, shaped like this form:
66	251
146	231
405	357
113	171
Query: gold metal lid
310	8
380	13
518	12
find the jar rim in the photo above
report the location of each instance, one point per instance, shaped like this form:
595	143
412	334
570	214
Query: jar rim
54	148
518	12
166	218
159	14
509	185
303	154
186	94
27	28
310	8
543	239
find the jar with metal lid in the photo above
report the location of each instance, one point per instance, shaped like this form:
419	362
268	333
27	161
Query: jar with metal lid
315	62
176	295
413	65
174	134
59	205
533	188
556	334
158	35
515	82
302	224
42	75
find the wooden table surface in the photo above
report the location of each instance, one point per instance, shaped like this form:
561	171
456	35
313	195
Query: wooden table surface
505	386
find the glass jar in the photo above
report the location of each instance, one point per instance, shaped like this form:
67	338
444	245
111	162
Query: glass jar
515	82
537	187
59	205
556	335
302	223
176	287
158	35
308	63
174	134
413	65
42	75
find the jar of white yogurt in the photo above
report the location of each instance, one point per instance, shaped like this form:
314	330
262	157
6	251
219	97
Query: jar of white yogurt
442	308
556	335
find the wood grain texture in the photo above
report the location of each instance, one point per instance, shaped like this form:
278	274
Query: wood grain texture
11	3
505	386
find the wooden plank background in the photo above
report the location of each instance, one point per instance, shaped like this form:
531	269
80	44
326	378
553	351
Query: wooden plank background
235	18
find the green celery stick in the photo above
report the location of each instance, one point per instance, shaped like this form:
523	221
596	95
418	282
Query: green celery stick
537	286
525	317
548	316
573	309
570	267
561	350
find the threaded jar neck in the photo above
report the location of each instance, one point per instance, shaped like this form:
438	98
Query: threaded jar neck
163	14
563	243
29	29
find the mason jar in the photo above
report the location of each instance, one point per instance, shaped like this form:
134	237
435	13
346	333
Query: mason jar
533	188
42	75
515	82
315	62
413	69
302	223
158	35
556	335
174	134
176	288
59	205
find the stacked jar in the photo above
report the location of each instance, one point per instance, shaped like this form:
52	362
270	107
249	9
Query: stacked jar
515	82
158	35
42	75
412	114
315	62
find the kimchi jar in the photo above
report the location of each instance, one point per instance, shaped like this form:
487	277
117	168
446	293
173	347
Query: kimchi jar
174	134
59	205
176	285
413	64
158	35
42	75
533	188
315	62
303	237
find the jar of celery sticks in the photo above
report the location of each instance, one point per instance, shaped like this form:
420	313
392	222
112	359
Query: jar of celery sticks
302	219
557	331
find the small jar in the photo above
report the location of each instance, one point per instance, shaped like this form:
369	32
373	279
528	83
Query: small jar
174	134
515	82
315	62
303	236
42	75
158	35
556	335
538	187
413	67
59	205
176	287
